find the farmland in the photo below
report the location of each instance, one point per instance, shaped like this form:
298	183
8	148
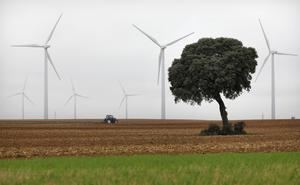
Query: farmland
38	138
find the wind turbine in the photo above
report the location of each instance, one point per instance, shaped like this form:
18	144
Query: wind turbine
74	96
23	96
272	53
161	67
47	58
125	98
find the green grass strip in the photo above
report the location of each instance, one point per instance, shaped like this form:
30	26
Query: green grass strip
208	169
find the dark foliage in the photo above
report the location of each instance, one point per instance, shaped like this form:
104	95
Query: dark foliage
239	127
212	68
214	129
227	130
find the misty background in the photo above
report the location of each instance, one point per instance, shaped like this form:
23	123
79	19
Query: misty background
96	45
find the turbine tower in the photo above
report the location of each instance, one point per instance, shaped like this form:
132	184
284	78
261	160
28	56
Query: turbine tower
74	96
161	67
125	98
272	53
23	97
47	58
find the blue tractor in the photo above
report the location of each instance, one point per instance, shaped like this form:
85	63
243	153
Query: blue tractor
110	119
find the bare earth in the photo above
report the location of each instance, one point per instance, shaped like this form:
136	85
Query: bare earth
91	137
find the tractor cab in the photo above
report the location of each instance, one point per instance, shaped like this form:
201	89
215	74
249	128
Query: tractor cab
110	119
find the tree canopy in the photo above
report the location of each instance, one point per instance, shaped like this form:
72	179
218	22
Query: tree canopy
210	68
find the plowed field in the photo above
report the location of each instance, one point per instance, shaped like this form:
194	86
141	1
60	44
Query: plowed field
91	137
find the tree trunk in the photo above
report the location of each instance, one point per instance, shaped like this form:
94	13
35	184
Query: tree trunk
222	110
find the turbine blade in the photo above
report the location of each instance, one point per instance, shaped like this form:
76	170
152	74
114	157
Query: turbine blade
25	83
28	45
122	101
267	41
151	38
53	29
173	42
124	92
81	96
290	54
48	56
265	61
132	94
16	94
73	87
28	98
69	100
159	64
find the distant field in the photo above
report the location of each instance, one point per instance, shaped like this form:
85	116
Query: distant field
38	138
208	169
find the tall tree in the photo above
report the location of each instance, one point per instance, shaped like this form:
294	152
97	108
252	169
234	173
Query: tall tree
211	68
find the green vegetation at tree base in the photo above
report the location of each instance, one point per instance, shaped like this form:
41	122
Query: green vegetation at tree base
212	169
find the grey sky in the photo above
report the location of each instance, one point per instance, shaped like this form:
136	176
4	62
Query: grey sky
96	45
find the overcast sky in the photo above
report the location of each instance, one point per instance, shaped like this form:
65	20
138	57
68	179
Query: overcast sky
96	45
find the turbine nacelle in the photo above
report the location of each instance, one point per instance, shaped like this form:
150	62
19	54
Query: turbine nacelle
280	53
46	46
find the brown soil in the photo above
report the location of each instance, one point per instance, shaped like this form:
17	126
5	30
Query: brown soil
91	137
